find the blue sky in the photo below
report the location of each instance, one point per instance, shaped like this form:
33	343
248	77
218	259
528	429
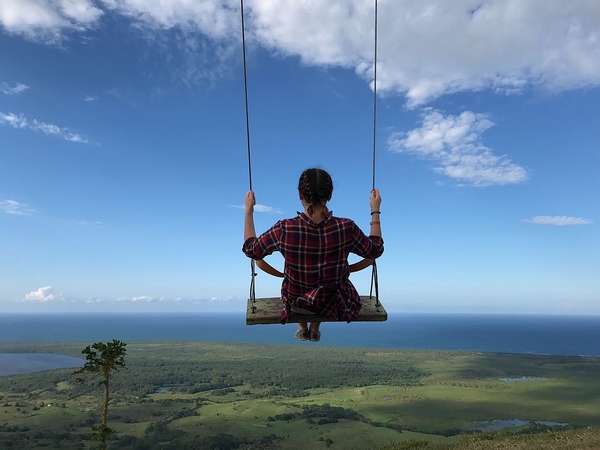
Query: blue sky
123	154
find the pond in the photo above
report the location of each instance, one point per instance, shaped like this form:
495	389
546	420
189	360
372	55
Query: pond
512	380
164	389
499	424
18	363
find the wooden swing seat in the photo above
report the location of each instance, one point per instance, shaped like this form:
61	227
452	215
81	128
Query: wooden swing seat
265	311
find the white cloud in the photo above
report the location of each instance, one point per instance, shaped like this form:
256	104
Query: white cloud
142	298
15	208
47	20
90	98
262	209
74	137
20	121
17	89
216	19
454	144
221	299
266	209
43	294
427	48
558	220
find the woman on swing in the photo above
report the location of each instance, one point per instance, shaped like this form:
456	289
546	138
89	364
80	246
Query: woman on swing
315	246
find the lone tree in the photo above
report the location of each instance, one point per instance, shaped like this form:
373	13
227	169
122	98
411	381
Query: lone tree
101	361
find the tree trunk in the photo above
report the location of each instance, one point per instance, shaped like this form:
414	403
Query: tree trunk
105	405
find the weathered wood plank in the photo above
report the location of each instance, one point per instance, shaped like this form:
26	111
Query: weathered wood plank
268	311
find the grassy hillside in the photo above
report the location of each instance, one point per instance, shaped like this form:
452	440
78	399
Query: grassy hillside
588	439
226	395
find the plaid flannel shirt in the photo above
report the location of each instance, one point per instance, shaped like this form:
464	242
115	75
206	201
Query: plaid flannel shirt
316	275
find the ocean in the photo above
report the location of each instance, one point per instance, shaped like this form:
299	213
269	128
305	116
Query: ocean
528	334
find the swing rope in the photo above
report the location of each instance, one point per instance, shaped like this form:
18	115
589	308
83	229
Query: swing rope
252	263
374	280
375	95
246	95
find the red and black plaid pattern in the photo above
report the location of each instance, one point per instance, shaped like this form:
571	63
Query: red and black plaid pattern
316	263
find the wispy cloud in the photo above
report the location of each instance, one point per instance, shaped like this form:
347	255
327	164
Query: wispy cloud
262	209
90	98
43	294
47	21
266	209
427	48
223	299
558	220
143	299
20	121
81	222
15	208
139	299
17	89
454	143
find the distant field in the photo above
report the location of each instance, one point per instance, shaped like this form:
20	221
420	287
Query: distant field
276	396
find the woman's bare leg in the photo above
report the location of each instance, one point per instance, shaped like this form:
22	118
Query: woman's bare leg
314	334
302	334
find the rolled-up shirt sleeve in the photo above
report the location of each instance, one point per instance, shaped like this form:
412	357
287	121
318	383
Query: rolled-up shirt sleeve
267	243
368	247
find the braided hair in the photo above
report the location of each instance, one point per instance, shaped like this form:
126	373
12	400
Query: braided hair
316	188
